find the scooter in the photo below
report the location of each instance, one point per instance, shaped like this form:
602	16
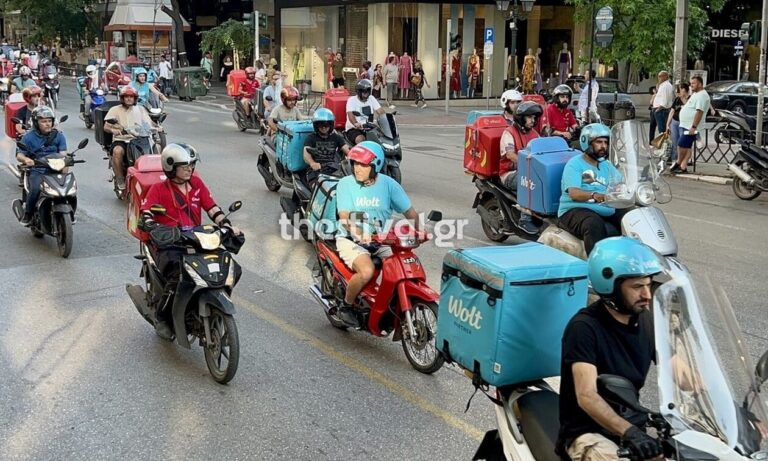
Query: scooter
158	116
400	302
385	133
140	144
97	100
751	169
738	126
51	86
56	206
5	89
200	304
709	417
499	210
254	121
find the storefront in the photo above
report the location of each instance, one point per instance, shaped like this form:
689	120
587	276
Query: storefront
139	28
310	32
719	57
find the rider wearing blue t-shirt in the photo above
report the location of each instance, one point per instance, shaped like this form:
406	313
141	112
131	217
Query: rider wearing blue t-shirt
582	210
40	142
146	90
377	195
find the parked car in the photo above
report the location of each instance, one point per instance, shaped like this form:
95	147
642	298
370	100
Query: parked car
119	73
613	102
734	95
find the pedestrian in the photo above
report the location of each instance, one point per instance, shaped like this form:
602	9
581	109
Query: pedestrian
691	116
652	127
391	75
226	67
673	122
206	63
586	110
271	69
261	73
665	97
166	74
366	71
338	70
378	81
418	80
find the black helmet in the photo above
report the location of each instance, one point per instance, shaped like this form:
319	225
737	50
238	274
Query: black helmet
524	109
363	86
42	112
560	90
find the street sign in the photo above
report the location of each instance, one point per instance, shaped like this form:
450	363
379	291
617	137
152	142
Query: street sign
488	34
604	18
604	38
488	50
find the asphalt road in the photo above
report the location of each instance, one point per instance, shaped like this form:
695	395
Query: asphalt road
82	376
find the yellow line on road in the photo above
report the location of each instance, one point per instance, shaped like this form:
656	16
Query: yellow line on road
373	375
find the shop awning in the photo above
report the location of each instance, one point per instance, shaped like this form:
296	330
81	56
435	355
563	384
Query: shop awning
140	16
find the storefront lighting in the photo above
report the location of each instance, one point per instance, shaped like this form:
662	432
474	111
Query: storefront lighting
527	5
502	4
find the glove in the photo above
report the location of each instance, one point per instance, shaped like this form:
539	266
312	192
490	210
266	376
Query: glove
641	444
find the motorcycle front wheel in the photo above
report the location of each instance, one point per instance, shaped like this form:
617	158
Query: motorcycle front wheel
55	99
494	208
421	350
240	124
223	354
64	236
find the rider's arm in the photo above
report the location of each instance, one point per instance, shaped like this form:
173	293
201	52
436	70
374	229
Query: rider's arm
24	159
508	146
571	182
411	215
157	92
355	232
585	382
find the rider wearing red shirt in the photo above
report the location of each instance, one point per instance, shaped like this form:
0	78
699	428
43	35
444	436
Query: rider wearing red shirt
561	120
248	89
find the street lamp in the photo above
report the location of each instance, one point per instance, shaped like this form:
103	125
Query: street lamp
515	13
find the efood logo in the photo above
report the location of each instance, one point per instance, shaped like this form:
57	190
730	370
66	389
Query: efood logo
471	317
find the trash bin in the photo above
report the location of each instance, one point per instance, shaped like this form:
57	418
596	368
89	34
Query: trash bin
189	82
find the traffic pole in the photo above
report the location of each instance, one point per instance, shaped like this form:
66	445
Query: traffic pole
761	79
447	82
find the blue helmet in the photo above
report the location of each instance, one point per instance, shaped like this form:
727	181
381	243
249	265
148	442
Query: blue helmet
617	258
323	116
591	132
368	153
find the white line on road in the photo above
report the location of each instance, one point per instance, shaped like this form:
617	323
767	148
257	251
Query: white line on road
704	221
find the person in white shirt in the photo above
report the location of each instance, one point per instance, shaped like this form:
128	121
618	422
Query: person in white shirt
364	104
662	102
584	96
165	73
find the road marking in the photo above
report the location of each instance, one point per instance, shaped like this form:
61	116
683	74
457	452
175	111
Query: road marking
704	221
356	365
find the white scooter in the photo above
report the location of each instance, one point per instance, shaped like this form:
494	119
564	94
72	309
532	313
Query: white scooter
642	187
710	401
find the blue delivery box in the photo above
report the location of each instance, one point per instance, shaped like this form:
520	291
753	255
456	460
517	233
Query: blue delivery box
540	170
290	143
503	310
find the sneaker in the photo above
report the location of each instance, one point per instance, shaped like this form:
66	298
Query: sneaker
424	105
347	315
26	220
676	169
163	330
120	183
527	226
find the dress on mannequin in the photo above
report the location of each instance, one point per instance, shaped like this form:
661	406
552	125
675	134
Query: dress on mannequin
564	63
529	69
473	73
406	69
456	74
511	70
537	74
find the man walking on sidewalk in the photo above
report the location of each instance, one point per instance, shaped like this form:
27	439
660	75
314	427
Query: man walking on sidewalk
662	102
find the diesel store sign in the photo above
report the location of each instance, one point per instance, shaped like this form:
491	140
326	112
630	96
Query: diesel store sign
730	33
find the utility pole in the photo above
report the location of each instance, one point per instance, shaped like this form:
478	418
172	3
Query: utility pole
761	78
681	41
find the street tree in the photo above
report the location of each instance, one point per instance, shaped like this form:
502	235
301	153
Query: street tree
230	35
178	30
69	20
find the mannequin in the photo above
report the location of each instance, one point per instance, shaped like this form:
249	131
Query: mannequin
473	73
564	63
406	69
537	74
456	73
529	70
512	70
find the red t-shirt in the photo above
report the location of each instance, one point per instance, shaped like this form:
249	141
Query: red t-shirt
249	87
183	210
560	119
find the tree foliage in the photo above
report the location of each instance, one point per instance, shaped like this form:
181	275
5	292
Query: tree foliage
66	19
230	35
644	30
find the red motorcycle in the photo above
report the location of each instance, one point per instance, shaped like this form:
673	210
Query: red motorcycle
397	299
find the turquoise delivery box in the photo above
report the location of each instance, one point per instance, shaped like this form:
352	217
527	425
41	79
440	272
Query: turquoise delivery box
503	310
540	171
322	207
290	143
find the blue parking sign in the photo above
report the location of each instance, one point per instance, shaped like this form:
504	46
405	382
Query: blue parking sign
489	34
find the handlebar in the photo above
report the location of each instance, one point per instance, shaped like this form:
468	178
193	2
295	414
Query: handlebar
624	453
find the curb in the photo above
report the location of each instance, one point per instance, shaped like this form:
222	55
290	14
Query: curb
706	178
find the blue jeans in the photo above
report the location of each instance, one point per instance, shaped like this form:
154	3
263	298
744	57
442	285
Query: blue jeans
674	130
661	119
35	179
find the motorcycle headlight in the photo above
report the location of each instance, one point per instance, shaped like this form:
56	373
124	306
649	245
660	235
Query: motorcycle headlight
51	76
208	241
195	276
645	194
48	190
72	190
390	146
57	164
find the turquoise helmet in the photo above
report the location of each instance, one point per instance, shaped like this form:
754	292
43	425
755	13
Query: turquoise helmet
591	132
368	153
617	258
322	116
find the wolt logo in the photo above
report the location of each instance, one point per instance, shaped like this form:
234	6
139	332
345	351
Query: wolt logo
470	317
367	202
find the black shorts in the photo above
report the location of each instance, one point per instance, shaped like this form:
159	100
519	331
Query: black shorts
337	82
353	133
122	144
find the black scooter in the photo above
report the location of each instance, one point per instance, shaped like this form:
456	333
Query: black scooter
200	304
255	121
141	144
499	210
51	86
738	126
158	115
751	170
385	134
56	206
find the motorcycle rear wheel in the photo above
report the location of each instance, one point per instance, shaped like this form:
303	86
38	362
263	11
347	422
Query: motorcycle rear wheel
421	351
225	345
240	125
743	191
327	290
64	237
493	207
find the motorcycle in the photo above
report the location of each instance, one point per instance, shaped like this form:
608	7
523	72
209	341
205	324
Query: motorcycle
200	303
140	144
738	126
254	121
385	134
718	413
56	206
97	100
51	86
401	301
498	209
158	116
5	89
751	170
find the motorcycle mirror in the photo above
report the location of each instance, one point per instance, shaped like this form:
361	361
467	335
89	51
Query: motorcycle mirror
235	206
435	216
588	177
761	370
158	210
63	118
82	144
21	146
16	120
619	391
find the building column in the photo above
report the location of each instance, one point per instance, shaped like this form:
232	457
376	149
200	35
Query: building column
428	45
534	29
498	62
378	32
468	43
580	48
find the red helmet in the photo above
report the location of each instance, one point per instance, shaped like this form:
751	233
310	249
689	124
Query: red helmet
361	154
128	91
289	92
250	70
31	91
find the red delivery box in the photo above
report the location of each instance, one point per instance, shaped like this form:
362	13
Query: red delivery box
234	79
11	109
335	99
481	145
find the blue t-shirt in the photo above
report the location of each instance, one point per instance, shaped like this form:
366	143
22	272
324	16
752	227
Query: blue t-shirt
378	200
143	90
20	83
605	172
41	146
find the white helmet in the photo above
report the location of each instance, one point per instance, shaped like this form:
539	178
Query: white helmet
25	71
510	95
90	70
176	154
